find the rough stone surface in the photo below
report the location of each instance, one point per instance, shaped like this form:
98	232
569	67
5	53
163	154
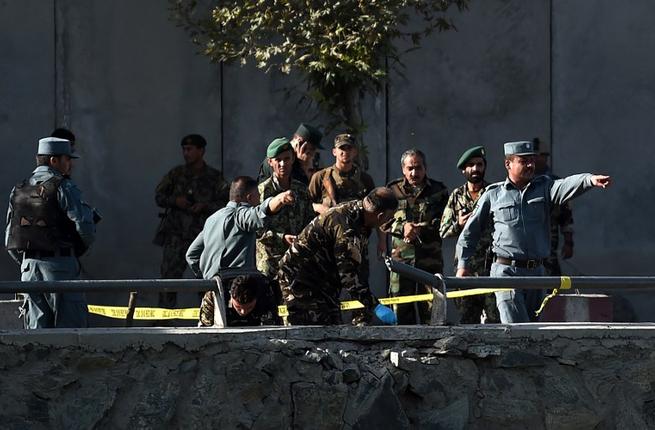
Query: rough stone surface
595	376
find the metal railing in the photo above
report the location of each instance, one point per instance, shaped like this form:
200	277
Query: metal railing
440	285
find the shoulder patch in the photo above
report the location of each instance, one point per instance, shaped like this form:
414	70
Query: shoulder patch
494	185
394	182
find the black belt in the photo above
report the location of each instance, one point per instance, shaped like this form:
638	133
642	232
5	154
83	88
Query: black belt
521	264
62	252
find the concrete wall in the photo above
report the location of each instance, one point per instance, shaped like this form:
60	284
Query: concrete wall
593	377
129	83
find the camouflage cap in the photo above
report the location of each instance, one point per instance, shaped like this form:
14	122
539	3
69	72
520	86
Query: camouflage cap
476	151
541	147
310	134
522	147
55	146
194	139
277	147
344	139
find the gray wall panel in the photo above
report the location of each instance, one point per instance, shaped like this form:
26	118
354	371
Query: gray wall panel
135	88
27	92
604	99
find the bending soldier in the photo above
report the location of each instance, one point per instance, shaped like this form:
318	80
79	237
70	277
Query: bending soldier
328	256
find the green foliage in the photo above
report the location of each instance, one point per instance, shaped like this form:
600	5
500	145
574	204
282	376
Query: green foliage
340	47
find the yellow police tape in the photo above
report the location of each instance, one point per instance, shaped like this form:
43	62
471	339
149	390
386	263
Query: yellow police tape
120	312
564	284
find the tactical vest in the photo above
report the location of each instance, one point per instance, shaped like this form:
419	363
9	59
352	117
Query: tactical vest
37	222
333	186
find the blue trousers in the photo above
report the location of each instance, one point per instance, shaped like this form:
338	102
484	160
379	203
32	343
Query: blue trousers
53	310
513	305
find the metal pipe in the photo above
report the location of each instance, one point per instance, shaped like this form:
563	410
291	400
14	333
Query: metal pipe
104	286
411	272
417	275
549	282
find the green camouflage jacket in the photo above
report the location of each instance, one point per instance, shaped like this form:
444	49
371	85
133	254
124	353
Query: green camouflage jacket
331	187
207	187
328	256
290	220
461	200
423	205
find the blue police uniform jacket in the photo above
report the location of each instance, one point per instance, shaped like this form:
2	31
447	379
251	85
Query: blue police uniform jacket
521	218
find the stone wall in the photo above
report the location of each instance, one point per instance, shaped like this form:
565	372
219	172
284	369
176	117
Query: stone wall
527	376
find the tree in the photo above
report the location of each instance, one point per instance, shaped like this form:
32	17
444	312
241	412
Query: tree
341	48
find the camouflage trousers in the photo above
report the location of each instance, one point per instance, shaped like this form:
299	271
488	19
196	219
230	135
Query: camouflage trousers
173	266
410	313
470	308
552	267
310	305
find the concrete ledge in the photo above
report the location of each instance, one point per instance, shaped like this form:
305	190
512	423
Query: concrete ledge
9	314
563	376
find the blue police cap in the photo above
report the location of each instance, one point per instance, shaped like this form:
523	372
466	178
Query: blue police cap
55	146
520	148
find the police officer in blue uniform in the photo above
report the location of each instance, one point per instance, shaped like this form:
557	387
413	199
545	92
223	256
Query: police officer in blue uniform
48	227
519	208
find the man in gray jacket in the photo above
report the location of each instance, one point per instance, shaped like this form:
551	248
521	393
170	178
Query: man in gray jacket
520	210
227	241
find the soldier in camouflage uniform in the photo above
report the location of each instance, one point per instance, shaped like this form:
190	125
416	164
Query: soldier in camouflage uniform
306	142
561	216
415	232
282	229
189	193
472	163
328	256
342	182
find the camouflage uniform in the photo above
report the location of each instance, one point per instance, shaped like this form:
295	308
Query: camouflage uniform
422	205
471	307
179	227
561	219
326	257
331	187
271	245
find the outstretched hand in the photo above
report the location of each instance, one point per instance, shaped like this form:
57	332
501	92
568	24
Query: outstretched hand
601	181
288	198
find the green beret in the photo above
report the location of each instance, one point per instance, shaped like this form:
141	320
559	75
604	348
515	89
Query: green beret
310	134
277	147
476	151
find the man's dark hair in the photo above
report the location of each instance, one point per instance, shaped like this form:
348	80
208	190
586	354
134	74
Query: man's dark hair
64	133
244	289
195	140
44	160
382	199
241	185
